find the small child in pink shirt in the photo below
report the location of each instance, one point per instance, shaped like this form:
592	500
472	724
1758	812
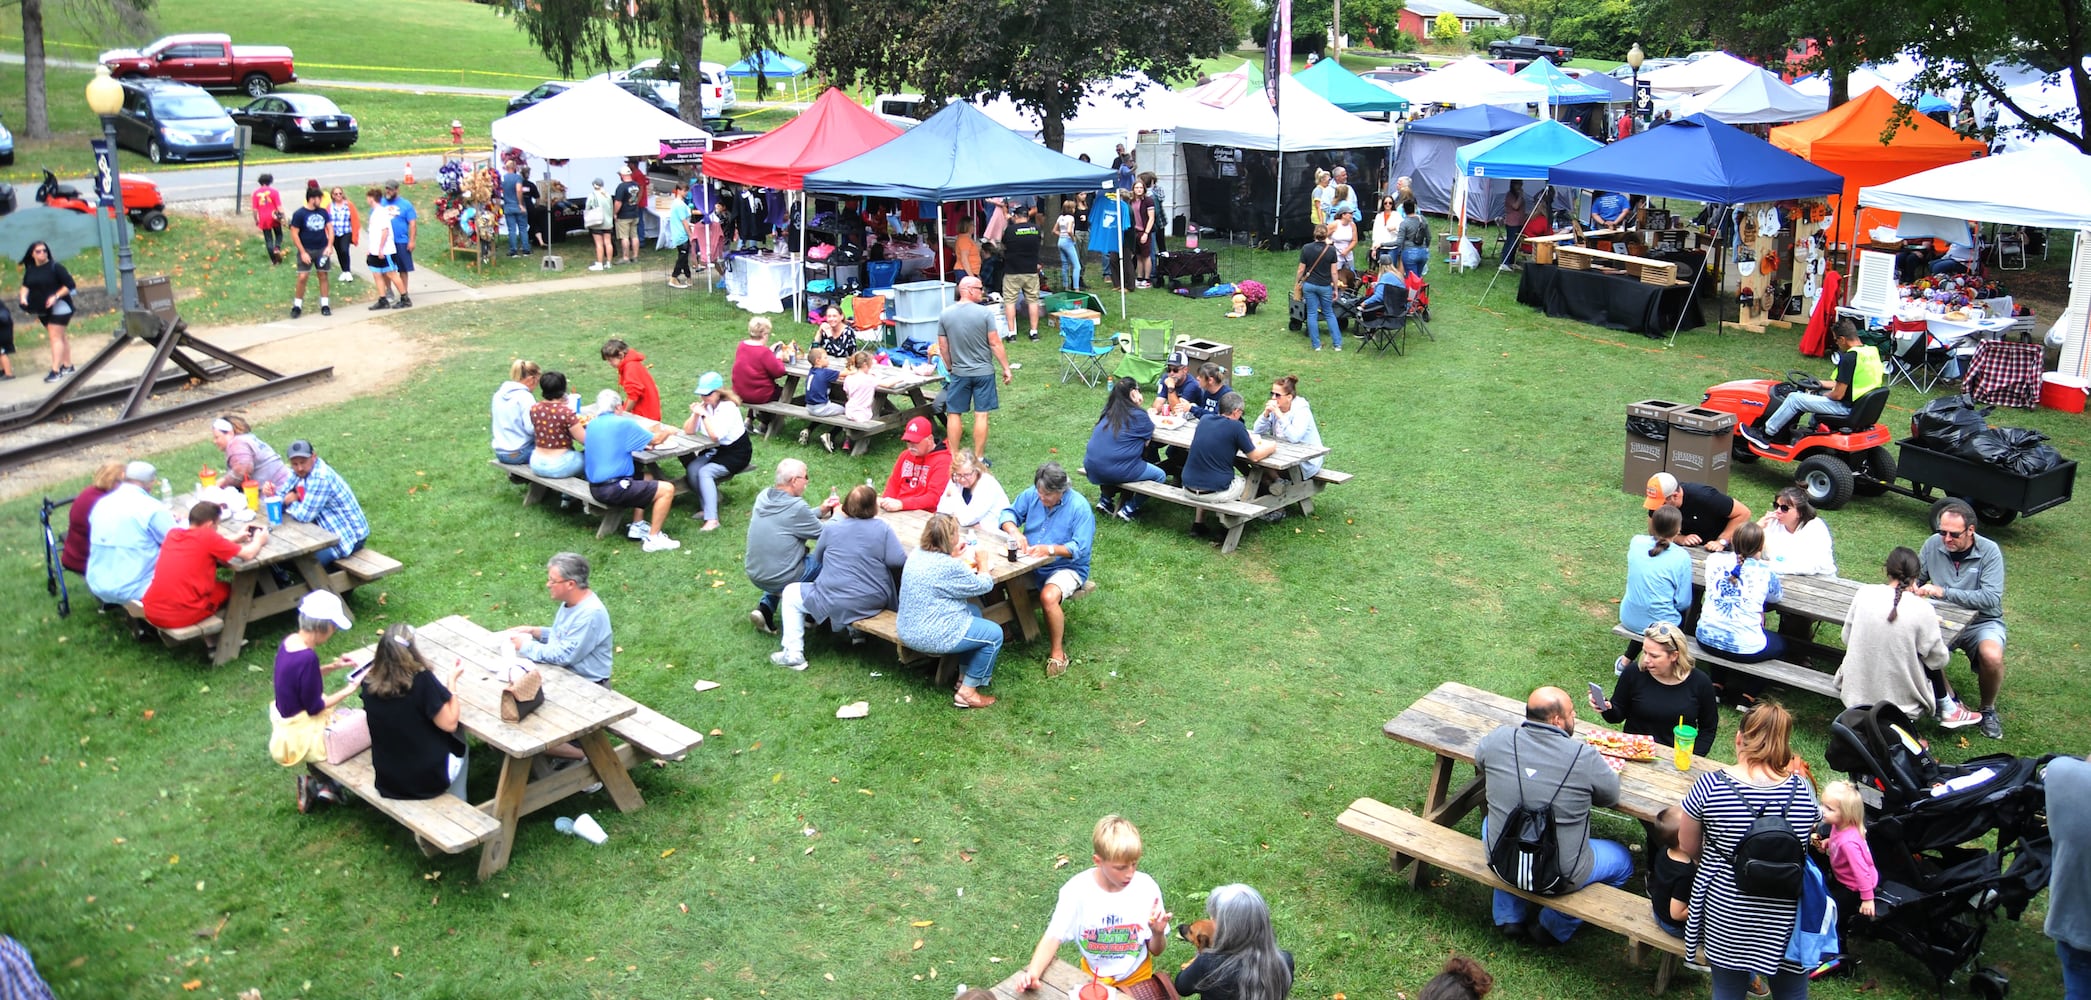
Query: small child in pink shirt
1851	861
860	387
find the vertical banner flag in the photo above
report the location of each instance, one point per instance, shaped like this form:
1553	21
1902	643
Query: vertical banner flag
1277	51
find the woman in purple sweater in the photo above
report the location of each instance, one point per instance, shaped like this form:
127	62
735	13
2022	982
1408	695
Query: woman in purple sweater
299	714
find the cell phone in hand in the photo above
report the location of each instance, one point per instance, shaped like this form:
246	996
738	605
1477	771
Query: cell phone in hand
1597	694
356	676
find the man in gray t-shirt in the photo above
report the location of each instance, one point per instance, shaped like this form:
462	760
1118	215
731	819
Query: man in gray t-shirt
971	349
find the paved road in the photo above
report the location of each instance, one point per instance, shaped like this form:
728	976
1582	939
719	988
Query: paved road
209	183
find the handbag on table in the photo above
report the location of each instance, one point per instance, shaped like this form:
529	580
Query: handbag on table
522	695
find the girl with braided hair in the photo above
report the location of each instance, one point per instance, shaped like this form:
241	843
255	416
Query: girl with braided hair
1894	652
1739	584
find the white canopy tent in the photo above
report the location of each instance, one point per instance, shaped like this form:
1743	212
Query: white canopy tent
1103	119
594	126
1756	98
1858	81
1699	76
1471	81
1310	122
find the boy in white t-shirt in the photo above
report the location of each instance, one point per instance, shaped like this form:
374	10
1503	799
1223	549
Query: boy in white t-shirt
1112	912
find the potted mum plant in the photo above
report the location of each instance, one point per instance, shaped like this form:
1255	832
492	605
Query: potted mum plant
1253	293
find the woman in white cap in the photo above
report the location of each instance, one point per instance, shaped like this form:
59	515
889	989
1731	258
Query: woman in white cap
301	709
595	214
717	415
246	456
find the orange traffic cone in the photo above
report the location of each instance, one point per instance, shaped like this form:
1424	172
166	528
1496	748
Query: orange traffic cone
409	178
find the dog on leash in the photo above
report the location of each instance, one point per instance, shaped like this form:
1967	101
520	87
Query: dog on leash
1197	932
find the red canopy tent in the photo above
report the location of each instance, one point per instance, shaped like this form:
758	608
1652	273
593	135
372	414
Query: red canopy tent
834	129
1846	141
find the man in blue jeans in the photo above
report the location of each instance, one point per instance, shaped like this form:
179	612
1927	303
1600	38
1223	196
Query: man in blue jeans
2069	887
1539	762
1317	282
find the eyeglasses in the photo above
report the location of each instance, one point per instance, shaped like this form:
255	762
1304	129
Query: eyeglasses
1956	535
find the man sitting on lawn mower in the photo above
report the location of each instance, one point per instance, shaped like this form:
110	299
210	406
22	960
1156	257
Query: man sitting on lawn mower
1858	372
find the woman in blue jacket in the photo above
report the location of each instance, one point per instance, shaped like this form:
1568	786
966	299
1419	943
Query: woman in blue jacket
1115	449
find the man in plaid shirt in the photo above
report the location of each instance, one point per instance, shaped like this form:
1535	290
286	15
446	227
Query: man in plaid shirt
320	496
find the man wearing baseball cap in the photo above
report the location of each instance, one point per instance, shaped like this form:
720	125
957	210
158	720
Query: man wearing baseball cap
609	438
406	223
124	534
318	495
1710	516
920	473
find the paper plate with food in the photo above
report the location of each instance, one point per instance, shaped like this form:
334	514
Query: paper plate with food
1625	746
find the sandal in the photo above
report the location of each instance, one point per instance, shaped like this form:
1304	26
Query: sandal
982	701
1055	666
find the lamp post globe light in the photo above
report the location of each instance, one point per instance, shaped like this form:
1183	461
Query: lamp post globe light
105	99
1634	58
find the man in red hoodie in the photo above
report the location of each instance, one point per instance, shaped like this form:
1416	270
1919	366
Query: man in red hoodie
920	473
641	397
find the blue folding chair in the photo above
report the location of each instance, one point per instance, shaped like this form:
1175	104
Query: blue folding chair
1080	357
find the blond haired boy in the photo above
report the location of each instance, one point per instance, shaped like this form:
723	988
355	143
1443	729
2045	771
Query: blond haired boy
1113	913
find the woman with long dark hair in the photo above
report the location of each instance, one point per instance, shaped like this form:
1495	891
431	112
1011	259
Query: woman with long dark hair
47	294
1116	447
1243	960
1893	651
414	744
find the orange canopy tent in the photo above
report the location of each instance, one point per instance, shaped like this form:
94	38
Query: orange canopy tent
1847	141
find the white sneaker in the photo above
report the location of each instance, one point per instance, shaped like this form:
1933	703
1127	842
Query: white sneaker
784	659
638	529
597	266
658	543
347	277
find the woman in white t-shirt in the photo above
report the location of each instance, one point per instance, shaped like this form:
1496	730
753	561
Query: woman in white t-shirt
1796	542
1386	228
1739	585
1113	913
717	415
973	494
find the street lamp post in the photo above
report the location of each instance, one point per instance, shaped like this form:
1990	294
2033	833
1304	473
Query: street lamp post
105	98
1634	57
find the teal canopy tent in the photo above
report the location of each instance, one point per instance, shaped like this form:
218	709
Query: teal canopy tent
1349	91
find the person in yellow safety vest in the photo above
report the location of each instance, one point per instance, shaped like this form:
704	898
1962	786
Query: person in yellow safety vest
1858	373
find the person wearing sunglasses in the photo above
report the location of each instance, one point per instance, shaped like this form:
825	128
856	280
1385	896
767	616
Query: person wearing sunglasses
1968	570
1796	541
1665	688
47	290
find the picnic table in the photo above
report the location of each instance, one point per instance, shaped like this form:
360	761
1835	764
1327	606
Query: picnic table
1450	722
1012	601
900	398
1294	485
1828	598
575	710
1061	982
646	461
256	593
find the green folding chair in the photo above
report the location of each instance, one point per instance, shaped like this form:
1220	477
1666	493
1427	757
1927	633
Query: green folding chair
1147	352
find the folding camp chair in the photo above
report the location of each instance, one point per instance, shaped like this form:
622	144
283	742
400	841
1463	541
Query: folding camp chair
1080	356
1147	353
868	318
54	543
1917	357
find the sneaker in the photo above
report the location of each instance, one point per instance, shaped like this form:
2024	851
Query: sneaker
784	659
347	276
1759	988
592	789
986	462
1505	268
805	436
326	310
761	618
638	530
1992	726
381	304
1125	513
1954	715
1619	666
1339	348
405	301
659	543
296	311
1034	336
304	793
827	441
1143	284
1755	435
1274	516
597	266
53	377
1105	505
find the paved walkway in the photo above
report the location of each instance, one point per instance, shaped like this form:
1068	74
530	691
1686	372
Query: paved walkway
429	289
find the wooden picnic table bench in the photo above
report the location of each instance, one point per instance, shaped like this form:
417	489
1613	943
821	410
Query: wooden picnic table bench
575	710
888	414
1827	598
1793	675
1062	981
1410	836
1293	487
446	822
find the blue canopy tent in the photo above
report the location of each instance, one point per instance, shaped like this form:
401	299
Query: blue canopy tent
769	63
1427	151
1525	153
959	154
1700	159
1349	91
1560	87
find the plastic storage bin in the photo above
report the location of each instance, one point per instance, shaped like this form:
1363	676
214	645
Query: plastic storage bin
921	300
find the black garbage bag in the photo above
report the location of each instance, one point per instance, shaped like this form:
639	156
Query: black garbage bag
1652	428
1948	423
2017	450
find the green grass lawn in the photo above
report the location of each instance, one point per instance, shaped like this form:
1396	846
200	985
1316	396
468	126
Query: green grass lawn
1230	705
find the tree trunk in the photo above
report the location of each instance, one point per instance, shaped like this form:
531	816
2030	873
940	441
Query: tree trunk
1838	66
36	120
1053	130
689	50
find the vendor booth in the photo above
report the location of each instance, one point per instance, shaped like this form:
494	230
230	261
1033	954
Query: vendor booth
1249	165
1112	112
1349	91
1525	154
1847	141
1755	192
834	129
585	134
1428	157
1579	101
1710	72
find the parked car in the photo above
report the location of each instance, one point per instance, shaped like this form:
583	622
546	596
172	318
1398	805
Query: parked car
167	120
207	61
1529	47
288	121
536	95
640	90
1625	72
716	98
7	145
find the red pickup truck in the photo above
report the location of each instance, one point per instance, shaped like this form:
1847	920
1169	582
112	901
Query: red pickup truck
210	61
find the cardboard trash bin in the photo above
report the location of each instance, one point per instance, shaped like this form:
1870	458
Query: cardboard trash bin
1700	443
1647	441
1200	351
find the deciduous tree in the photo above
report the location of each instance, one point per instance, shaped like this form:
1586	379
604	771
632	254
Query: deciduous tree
98	19
587	34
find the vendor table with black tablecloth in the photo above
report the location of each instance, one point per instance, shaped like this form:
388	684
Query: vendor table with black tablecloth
1611	301
1192	267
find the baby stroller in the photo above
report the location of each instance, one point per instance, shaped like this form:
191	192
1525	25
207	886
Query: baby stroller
1939	890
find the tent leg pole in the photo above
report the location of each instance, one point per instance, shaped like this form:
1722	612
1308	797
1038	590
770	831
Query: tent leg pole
1696	276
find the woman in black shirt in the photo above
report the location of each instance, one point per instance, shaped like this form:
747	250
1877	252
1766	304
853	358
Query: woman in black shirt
1651	697
1243	962
414	745
47	294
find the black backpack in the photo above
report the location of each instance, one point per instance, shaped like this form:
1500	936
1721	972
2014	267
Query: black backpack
1527	851
1769	859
